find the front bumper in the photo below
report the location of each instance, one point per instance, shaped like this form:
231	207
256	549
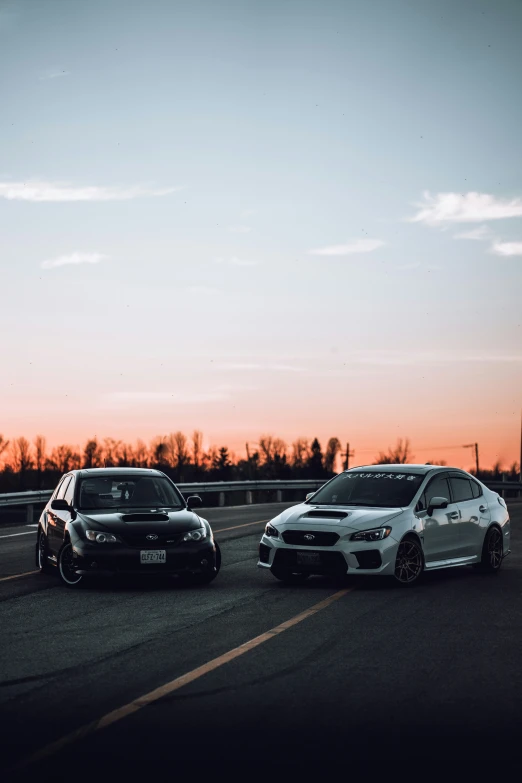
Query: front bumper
346	557
113	559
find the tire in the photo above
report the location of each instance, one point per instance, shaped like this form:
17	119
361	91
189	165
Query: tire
207	577
65	570
289	577
409	563
492	551
42	552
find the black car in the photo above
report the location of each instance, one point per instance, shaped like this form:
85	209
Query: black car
109	521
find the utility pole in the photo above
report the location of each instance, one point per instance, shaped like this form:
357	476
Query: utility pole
347	454
474	446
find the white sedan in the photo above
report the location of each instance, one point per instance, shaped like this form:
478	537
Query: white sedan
389	520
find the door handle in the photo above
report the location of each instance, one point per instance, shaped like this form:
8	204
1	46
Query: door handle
454	515
483	508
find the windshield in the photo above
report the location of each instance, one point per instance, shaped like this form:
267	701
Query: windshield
128	491
369	489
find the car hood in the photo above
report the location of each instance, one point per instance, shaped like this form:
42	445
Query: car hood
137	520
335	516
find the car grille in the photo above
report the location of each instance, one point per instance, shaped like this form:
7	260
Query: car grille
331	562
163	539
320	538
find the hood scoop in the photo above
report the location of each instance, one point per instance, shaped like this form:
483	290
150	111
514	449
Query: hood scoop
316	514
144	517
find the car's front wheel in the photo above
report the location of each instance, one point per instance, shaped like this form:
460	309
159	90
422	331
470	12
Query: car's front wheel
492	551
66	568
42	552
205	577
409	563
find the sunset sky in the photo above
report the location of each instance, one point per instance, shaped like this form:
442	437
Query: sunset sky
296	217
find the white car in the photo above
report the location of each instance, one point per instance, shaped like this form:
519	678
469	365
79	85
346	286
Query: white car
390	520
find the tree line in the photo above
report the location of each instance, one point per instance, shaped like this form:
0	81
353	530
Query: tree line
26	465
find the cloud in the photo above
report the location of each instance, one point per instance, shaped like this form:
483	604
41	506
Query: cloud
234	261
445	208
507	248
263	367
74	258
239	229
248	212
54	191
407	267
406	358
479	234
52	73
357	246
131	399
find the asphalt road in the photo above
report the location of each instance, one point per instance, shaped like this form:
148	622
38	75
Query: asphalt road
155	678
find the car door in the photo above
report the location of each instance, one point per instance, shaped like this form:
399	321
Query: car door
56	520
474	513
441	527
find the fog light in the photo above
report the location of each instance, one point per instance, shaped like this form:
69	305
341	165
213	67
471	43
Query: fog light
94	564
204	563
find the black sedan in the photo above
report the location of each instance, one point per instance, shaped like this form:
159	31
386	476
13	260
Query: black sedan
109	521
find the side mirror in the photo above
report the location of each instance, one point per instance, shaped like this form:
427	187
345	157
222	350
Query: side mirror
60	504
437	503
194	501
309	495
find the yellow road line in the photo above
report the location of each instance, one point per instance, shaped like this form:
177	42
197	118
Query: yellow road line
247	524
175	685
17	576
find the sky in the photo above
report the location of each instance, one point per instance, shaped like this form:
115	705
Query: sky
290	217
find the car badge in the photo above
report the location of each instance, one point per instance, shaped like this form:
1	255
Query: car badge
152	537
309	537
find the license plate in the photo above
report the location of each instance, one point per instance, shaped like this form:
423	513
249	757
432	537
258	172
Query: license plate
153	556
308	558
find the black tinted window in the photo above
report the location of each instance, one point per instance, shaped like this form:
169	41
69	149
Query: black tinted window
476	489
63	487
437	488
461	488
361	488
69	492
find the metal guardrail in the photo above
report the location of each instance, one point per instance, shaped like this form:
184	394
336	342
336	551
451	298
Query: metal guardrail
39	497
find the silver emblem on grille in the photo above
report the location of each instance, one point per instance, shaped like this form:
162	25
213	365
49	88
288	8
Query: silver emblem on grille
309	537
152	537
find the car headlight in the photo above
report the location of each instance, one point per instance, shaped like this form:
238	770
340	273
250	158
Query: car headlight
101	538
271	531
196	535
377	534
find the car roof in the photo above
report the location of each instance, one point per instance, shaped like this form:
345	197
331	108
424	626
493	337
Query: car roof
421	470
108	472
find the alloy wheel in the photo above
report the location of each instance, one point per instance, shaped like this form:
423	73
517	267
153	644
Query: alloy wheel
495	548
42	551
409	564
66	566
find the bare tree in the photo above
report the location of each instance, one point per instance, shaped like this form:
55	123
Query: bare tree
63	458
332	450
39	457
398	455
300	452
141	454
21	460
111	452
266	446
3	444
197	448
159	451
92	454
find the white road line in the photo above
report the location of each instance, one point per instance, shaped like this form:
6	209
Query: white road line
12	535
